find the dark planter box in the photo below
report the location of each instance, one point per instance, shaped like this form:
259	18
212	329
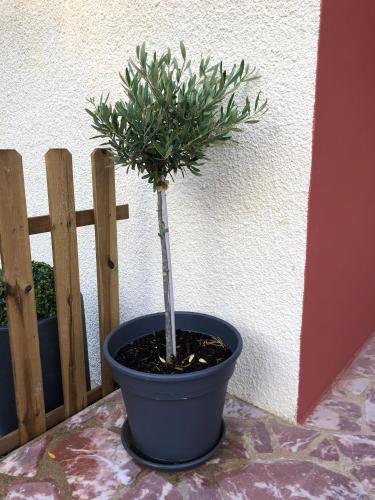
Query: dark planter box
173	421
51	371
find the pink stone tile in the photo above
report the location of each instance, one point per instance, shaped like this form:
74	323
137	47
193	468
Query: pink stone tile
293	438
111	416
118	415
235	440
34	490
83	416
350	385
356	447
366	475
108	413
324	417
326	451
370	409
242	425
261	438
364	365
195	486
25	460
346	408
114	397
369	349
95	463
236	408
152	487
245	423
287	479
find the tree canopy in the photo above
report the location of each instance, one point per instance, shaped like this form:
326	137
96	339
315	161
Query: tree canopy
171	114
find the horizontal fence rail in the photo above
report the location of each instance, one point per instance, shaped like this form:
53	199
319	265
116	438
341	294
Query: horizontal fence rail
42	223
62	223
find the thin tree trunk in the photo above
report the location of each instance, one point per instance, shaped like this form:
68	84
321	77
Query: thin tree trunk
170	330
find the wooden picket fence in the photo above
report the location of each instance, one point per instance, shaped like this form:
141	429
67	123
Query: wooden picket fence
61	222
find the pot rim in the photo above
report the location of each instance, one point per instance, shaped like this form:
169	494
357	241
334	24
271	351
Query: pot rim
180	377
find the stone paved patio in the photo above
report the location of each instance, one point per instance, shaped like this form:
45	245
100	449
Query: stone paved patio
263	457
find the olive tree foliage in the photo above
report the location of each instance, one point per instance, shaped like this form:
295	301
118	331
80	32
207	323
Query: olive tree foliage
171	114
168	117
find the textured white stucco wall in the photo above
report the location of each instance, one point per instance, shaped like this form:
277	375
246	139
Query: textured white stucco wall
238	233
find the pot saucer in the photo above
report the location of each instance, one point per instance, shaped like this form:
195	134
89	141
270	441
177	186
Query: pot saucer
139	457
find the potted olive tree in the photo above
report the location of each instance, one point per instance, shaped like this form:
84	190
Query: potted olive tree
173	368
45	302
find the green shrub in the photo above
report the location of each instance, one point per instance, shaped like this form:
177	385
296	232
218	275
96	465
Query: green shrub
44	285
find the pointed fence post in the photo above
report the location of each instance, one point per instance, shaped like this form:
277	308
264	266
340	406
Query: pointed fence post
20	298
65	259
103	178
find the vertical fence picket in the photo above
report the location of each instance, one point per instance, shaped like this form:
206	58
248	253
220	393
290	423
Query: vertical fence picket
20	298
103	176
65	258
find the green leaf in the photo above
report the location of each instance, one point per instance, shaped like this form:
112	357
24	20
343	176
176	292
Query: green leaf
168	152
257	101
183	50
242	65
230	102
159	148
263	106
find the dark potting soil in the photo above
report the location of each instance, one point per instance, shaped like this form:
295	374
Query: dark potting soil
195	352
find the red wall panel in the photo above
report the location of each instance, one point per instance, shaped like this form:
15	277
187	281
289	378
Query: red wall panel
339	297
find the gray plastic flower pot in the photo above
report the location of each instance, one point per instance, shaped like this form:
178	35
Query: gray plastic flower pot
51	371
173	421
